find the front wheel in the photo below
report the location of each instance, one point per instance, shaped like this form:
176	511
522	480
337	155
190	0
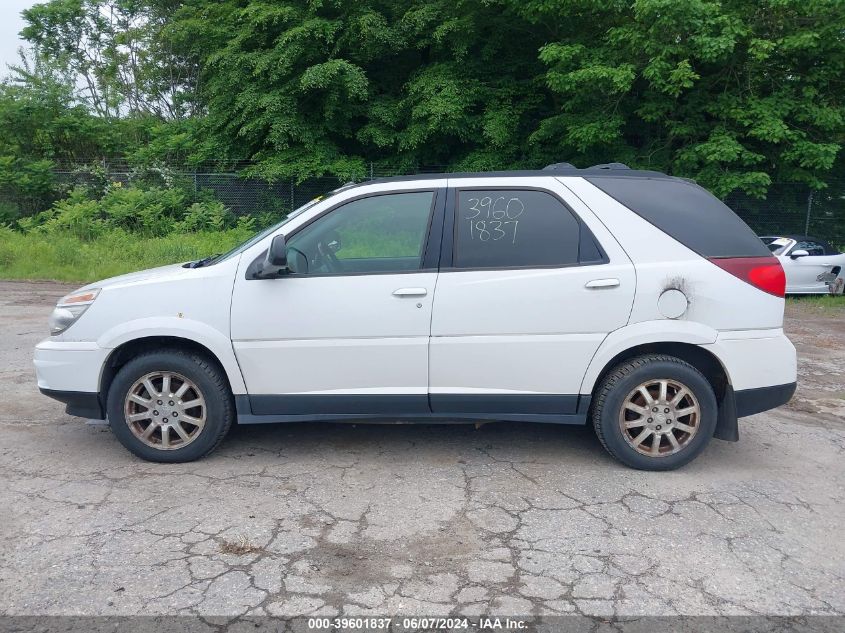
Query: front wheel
655	412
170	406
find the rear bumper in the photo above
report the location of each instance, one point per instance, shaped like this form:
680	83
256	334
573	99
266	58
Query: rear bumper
755	359
762	371
751	401
82	404
738	404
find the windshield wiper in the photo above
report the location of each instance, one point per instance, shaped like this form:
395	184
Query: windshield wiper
202	262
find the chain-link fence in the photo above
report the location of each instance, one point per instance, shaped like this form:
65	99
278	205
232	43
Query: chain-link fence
786	209
242	195
795	209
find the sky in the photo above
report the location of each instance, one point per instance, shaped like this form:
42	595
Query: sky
10	24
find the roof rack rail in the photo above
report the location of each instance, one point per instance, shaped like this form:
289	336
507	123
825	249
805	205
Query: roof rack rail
610	166
557	166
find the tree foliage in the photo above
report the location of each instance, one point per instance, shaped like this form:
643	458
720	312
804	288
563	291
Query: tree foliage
734	93
120	52
44	127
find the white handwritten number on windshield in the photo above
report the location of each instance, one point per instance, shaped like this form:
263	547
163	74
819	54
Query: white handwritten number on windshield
494	219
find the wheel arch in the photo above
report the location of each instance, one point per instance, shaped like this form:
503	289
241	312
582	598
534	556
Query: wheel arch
704	360
128	350
691	352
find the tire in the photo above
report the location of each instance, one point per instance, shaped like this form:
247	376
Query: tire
622	415
201	426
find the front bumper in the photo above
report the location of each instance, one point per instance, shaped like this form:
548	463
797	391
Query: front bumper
79	403
70	372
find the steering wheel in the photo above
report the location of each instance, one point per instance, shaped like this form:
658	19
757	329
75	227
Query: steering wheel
326	249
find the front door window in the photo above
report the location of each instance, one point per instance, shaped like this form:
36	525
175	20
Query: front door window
377	234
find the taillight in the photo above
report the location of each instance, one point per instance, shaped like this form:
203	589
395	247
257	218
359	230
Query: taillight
764	273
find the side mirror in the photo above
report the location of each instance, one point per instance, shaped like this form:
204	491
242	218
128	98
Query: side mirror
276	261
798	253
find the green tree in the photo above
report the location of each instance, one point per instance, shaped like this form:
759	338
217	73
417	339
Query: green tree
41	126
735	93
120	51
307	88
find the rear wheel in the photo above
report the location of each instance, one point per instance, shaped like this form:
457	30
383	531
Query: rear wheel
655	412
170	406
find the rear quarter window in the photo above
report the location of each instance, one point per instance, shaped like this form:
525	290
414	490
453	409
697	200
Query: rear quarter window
688	213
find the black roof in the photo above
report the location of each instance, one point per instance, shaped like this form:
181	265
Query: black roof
610	170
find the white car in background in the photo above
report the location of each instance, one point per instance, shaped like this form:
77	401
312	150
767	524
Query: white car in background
811	265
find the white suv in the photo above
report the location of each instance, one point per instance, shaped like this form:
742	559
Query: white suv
630	299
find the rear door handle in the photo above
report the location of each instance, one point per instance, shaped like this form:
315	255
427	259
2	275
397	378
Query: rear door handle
602	283
410	292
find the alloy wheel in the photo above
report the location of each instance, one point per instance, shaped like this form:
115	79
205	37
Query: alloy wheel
165	410
660	417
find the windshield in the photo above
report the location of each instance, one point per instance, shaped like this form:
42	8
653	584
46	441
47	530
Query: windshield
262	234
777	245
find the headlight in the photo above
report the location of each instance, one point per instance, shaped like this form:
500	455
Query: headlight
70	308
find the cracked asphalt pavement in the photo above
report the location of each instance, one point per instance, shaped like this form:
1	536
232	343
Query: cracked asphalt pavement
335	519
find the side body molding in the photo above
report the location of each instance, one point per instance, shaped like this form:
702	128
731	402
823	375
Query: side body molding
643	333
197	331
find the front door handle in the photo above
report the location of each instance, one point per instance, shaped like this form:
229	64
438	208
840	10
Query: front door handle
410	292
602	283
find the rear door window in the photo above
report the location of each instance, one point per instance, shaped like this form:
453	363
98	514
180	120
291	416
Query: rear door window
513	228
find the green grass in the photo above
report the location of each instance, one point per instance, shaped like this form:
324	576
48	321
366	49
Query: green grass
822	303
64	257
60	257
